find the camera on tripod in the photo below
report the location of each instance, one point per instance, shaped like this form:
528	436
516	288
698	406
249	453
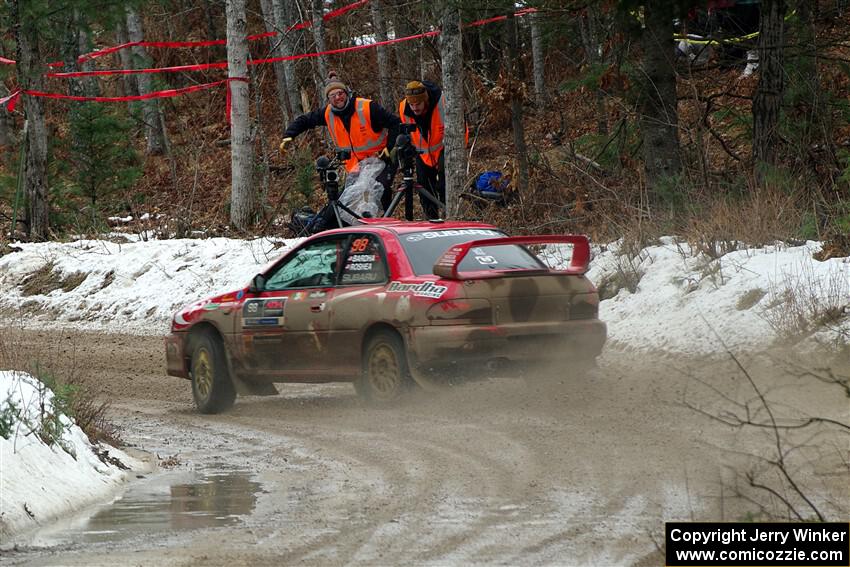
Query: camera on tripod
329	175
404	148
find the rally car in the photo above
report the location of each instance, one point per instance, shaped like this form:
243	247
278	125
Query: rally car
387	304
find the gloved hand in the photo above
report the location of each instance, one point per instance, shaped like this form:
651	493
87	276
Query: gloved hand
285	144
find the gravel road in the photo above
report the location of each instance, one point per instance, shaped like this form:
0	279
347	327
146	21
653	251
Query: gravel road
552	469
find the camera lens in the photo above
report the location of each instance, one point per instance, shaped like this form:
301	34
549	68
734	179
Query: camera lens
331	176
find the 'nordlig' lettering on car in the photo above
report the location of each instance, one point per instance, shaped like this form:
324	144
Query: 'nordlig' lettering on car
425	289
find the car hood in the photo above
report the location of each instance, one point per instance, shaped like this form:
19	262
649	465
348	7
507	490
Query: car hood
193	312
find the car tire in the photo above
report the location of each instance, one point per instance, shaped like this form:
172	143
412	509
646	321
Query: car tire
385	376
212	387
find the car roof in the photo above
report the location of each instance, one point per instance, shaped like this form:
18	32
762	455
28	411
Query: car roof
402	226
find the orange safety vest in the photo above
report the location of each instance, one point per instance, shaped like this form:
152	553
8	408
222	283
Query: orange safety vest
361	141
431	147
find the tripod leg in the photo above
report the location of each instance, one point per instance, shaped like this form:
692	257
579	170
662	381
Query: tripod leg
391	209
335	207
347	210
430	197
408	198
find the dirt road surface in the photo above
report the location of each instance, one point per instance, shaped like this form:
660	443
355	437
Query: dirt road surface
553	470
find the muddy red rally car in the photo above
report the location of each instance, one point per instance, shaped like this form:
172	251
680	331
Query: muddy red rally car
387	304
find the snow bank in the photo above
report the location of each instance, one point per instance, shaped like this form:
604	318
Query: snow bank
128	287
38	483
682	303
686	302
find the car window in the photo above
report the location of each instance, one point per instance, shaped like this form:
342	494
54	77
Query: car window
504	257
312	266
424	248
365	263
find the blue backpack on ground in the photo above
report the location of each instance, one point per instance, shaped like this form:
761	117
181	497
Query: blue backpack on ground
491	185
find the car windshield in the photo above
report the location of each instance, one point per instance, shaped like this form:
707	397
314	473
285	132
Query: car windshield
423	249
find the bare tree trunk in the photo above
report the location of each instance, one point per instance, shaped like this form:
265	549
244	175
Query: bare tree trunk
659	119
589	25
74	44
154	131
407	56
387	98
131	86
283	15
212	32
515	90
70	53
812	102
454	152
241	152
30	69
7	138
211	9
319	39
490	46
91	86
768	97
275	43
538	60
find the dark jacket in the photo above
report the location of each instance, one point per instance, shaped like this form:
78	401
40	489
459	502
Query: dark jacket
380	119
423	123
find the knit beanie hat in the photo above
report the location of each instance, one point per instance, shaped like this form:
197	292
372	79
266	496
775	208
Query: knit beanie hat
333	83
416	92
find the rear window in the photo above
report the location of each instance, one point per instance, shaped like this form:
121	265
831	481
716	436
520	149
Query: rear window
423	249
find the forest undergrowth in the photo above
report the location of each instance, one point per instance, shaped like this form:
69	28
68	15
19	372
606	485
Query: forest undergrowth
584	148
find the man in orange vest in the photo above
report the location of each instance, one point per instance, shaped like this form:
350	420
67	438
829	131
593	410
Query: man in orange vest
359	125
423	105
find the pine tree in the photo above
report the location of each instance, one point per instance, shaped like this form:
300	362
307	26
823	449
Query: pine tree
105	159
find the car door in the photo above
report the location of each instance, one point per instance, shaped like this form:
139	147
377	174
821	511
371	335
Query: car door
285	328
359	297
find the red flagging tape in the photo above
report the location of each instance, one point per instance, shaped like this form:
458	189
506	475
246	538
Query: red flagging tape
207	43
227	104
11	100
222	65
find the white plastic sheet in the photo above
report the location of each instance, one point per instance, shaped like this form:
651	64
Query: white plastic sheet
362	193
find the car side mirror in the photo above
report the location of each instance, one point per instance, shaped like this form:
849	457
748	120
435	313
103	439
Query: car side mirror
258	284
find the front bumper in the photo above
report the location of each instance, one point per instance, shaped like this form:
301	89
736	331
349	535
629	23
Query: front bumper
175	355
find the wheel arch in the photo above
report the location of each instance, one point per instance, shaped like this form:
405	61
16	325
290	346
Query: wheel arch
376	328
197	330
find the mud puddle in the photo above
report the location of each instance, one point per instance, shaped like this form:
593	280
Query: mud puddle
162	503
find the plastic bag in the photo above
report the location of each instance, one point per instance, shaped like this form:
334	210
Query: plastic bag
362	193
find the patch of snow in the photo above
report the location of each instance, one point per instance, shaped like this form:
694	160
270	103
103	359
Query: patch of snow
40	482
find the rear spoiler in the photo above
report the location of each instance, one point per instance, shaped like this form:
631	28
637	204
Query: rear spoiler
446	265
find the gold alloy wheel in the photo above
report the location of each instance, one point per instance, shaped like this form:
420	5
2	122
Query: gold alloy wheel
203	374
384	371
